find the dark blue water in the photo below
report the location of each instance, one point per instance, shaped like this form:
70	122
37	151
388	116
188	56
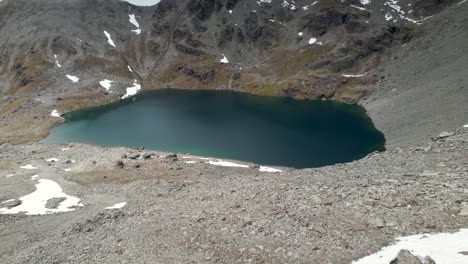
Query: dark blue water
224	124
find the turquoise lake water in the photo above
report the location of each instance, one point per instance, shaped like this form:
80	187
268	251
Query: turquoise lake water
231	125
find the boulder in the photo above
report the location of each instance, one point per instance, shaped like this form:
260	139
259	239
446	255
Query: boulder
172	157
119	164
428	260
147	155
405	257
54	202
11	203
445	134
134	156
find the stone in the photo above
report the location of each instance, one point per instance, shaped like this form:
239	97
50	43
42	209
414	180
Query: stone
172	157
464	211
134	156
445	134
428	260
147	155
12	203
54	202
119	164
405	257
429	174
377	222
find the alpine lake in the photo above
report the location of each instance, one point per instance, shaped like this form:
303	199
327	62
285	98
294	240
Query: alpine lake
271	131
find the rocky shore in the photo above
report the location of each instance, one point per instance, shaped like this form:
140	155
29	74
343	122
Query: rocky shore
184	209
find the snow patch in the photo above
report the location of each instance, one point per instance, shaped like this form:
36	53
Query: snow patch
28	167
34	177
442	248
357	7
224	59
286	4
307	6
312	41
135	23
7	201
223	163
116	206
129	68
131	91
53	160
268	169
55	113
353	75
73	78
57	62
264	2
109	39
191	162
388	17
106	84
393	4
465	126
143	2
300	34
35	203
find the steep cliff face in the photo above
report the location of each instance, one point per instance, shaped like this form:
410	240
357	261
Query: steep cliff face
55	53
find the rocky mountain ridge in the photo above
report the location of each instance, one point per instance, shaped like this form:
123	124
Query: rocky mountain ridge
303	49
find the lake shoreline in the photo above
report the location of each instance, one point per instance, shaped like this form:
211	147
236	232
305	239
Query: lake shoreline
160	121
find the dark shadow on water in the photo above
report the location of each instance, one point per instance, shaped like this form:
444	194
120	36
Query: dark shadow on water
226	124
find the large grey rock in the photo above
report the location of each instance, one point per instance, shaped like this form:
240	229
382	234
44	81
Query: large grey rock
405	257
445	134
11	203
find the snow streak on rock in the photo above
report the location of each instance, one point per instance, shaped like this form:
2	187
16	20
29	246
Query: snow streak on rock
73	78
57	62
143	2
224	59
109	39
116	206
135	23
353	75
